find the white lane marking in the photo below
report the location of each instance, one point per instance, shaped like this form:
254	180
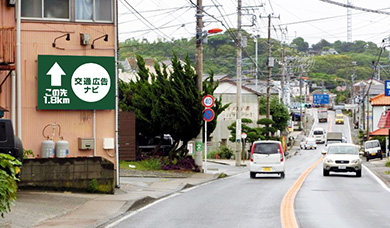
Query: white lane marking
163	199
139	210
349	131
377	178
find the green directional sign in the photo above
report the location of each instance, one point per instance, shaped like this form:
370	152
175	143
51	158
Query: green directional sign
76	82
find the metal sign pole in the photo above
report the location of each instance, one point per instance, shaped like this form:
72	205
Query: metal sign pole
205	147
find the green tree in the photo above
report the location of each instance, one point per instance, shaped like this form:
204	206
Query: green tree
267	129
278	111
253	133
301	45
8	186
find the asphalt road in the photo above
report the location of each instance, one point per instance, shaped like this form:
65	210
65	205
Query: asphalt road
339	200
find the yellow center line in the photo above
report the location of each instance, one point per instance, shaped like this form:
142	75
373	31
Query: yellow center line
330	123
287	212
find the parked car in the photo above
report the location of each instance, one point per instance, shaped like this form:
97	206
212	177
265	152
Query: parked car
267	157
342	157
372	149
308	143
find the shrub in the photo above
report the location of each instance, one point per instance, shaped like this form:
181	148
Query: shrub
225	152
151	164
186	163
92	187
8	187
212	154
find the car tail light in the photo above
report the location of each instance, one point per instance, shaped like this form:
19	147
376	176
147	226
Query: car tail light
253	148
281	152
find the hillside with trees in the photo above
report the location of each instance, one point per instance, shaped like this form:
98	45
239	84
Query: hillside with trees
220	56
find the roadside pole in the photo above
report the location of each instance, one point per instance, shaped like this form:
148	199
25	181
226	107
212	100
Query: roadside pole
208	115
199	73
205	147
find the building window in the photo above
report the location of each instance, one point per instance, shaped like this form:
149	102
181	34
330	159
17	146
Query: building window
93	10
84	10
51	9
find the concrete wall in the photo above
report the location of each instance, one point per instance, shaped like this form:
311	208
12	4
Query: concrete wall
68	174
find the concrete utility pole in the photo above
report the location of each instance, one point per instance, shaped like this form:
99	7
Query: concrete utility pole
238	97
283	77
300	96
269	68
199	71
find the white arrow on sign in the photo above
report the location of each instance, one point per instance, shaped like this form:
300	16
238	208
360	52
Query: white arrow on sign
55	72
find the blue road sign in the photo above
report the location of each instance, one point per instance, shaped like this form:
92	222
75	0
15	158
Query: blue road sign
208	115
387	88
320	98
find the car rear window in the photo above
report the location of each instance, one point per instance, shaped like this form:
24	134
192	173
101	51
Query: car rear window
266	148
372	144
318	132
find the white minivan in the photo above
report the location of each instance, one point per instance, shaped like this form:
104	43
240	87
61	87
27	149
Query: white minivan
319	134
267	157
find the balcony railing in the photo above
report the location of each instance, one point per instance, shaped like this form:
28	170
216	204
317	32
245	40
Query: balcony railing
7	45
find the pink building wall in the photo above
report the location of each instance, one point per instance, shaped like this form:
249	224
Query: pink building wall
36	39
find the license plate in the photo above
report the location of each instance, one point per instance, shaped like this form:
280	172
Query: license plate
373	154
342	167
266	169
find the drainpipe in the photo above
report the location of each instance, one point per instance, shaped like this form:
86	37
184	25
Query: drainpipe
18	70
13	97
116	95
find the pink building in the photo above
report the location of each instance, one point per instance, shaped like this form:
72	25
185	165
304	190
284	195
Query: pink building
67	73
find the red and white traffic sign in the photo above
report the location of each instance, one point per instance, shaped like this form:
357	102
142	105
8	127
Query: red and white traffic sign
208	101
208	114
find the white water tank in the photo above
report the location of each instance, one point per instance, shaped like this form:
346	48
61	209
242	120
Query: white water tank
47	149
62	149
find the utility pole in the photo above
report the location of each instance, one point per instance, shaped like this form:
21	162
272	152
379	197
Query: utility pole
199	73
300	96
270	64
256	59
352	90
269	67
283	77
238	97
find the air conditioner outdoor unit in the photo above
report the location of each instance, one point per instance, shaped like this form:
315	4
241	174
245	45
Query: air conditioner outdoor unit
11	2
84	39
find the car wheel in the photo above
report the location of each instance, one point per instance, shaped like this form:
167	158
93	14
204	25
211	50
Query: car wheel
359	173
253	174
282	175
381	157
368	159
326	172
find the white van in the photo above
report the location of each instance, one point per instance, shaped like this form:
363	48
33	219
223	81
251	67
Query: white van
267	157
319	134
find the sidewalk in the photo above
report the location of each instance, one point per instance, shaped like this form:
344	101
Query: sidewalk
65	209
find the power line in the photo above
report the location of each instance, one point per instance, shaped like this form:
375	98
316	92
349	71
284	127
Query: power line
356	7
148	24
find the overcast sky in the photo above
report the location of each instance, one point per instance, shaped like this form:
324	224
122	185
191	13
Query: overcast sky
312	20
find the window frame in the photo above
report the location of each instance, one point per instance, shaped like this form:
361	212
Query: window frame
72	14
50	18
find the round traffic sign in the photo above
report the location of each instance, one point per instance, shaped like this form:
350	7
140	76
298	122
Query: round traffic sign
208	115
243	135
208	101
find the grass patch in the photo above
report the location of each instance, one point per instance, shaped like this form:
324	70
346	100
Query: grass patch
387	172
387	164
149	164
